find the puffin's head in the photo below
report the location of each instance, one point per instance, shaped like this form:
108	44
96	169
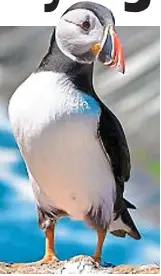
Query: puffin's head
86	32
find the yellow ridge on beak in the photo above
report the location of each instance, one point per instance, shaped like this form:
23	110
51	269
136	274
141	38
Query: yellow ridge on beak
96	48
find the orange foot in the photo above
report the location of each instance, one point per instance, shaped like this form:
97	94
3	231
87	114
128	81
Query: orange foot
46	260
96	258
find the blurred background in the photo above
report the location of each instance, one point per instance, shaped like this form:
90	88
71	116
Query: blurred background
134	98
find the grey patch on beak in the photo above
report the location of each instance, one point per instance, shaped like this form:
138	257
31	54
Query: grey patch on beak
106	53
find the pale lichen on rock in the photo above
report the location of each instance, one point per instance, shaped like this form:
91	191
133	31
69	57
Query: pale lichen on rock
79	265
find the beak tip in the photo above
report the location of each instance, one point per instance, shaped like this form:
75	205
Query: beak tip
122	70
121	67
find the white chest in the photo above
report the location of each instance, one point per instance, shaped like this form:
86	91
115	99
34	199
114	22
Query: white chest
48	98
55	127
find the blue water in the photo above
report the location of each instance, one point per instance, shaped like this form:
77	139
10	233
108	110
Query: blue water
22	241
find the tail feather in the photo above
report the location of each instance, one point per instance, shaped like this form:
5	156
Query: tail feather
126	218
124	225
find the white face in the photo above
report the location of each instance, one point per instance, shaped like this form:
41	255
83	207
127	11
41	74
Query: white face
77	31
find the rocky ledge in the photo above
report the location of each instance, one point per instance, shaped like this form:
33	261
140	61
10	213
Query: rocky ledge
79	265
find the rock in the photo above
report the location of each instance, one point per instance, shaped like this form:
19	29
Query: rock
79	265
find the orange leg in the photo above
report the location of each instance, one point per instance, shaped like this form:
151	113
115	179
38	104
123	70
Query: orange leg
101	234
49	243
49	252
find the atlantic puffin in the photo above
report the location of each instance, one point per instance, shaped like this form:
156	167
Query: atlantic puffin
74	147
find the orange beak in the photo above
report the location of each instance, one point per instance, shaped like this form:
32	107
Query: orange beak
112	50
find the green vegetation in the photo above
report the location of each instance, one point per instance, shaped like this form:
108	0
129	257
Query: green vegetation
154	168
147	163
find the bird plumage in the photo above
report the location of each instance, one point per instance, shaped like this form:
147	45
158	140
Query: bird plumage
74	147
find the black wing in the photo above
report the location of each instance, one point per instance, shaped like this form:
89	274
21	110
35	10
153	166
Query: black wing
113	141
112	137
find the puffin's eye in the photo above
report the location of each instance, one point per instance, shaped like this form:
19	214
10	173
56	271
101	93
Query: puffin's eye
86	25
